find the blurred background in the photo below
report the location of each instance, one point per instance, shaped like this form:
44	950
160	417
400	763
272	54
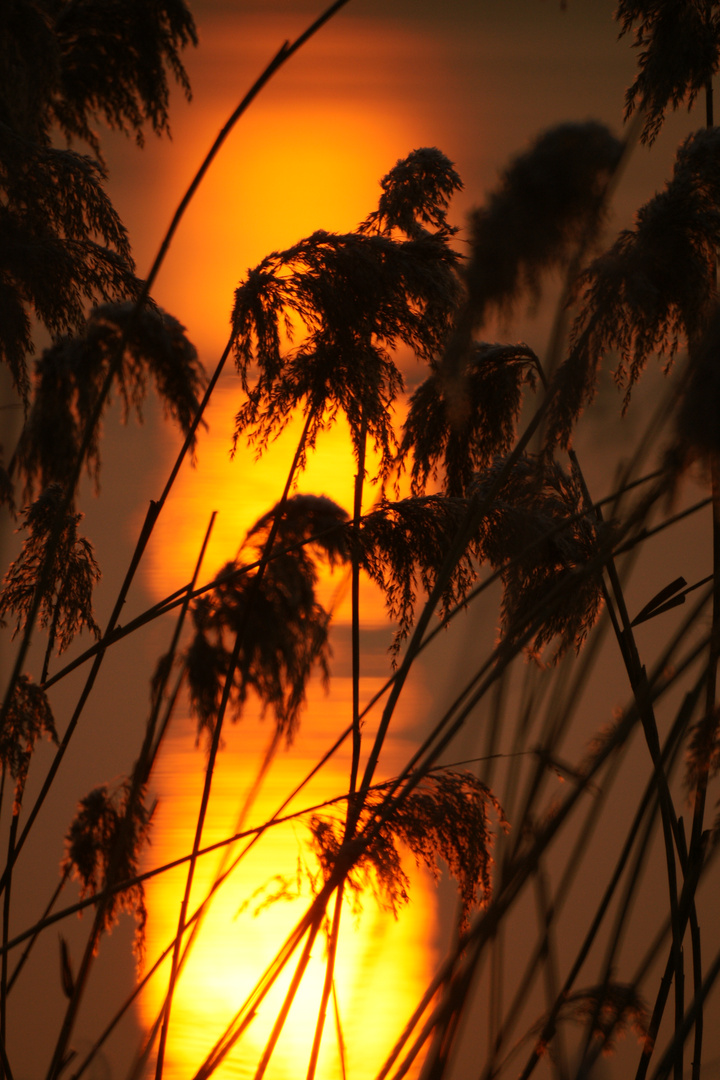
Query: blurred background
479	81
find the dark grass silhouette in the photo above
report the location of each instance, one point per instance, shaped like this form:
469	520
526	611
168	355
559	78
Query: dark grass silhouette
499	505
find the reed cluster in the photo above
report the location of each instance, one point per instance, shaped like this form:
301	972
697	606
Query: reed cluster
485	506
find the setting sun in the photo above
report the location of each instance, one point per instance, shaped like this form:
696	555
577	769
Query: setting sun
300	165
360	714
289	169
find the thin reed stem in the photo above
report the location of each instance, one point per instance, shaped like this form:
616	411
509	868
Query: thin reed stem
327	984
240	642
287	1003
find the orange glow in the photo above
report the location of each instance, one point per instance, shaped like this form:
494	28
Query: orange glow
242	490
296	164
381	962
289	169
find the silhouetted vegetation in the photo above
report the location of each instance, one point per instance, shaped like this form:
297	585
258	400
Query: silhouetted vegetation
498	512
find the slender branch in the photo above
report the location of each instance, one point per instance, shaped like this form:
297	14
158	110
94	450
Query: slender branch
476	510
287	1003
240	643
5	935
34	936
671	830
340	1038
327	985
77	712
355	594
177	598
286	51
484	926
138	782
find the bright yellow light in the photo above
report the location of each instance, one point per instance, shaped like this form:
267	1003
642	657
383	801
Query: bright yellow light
294	166
381	963
242	490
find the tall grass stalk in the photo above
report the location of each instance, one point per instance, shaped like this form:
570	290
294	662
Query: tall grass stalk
499	529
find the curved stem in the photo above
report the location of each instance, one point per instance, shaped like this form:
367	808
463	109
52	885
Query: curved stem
240	642
5	935
289	998
355	592
282	56
328	984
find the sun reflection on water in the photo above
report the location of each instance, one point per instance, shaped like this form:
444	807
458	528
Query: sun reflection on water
301	164
381	962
